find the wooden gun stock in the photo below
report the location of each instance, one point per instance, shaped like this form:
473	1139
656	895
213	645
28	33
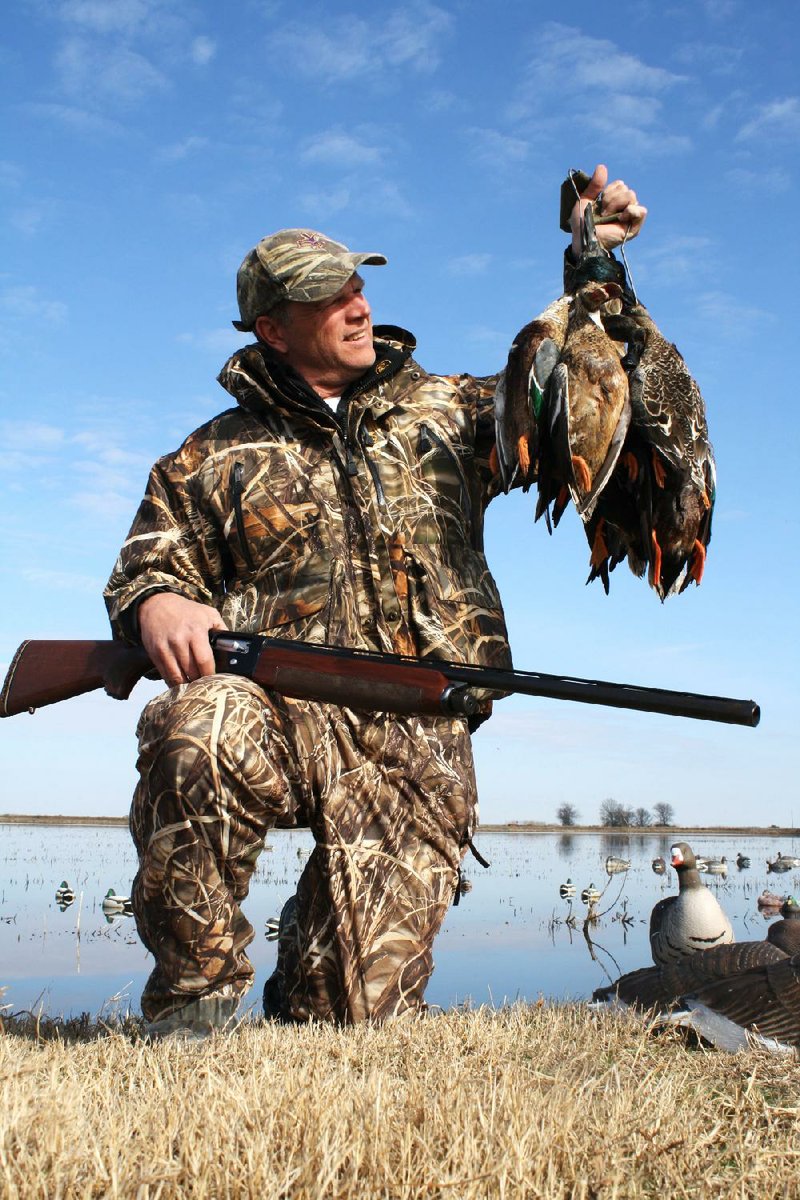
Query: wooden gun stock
45	672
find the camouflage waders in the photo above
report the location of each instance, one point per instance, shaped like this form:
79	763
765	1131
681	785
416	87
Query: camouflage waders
391	802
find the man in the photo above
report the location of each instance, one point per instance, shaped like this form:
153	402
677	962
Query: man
341	502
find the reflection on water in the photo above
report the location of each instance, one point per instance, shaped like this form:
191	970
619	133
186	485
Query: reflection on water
511	936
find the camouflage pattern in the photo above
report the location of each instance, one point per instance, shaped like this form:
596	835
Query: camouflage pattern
359	528
294	264
391	803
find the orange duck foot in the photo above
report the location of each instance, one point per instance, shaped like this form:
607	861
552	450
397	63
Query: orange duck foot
523	454
658	470
583	476
698	562
655	562
631	464
599	552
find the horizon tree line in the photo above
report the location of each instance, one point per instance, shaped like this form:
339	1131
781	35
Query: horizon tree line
614	815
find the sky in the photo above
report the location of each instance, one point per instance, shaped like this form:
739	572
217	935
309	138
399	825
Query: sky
149	144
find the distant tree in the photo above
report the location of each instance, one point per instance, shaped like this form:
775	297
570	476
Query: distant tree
614	814
642	818
567	815
663	814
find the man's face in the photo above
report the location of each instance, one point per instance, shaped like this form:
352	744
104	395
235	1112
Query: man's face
328	342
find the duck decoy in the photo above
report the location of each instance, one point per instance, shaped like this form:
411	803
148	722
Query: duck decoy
691	921
114	905
717	866
781	864
615	866
272	928
567	890
742	862
590	894
520	393
769	900
659	866
587	407
64	895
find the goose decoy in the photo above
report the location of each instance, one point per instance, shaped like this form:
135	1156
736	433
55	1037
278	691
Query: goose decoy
64	895
691	921
587	408
770	900
780	865
742	862
567	890
667	462
521	390
659	866
615	866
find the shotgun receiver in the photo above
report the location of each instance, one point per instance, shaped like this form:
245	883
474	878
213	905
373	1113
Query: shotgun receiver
45	672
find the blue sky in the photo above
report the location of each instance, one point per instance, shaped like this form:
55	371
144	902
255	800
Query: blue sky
149	144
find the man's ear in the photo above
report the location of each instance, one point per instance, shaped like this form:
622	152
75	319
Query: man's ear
271	331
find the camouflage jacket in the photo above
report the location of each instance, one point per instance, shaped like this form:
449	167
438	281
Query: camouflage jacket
362	527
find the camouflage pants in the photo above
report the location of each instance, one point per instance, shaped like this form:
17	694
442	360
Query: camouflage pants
390	801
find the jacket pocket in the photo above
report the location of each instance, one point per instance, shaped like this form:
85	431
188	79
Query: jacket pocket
456	610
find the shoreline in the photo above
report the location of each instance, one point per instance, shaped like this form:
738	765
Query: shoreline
527	827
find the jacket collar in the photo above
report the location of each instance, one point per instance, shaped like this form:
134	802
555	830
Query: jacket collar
254	377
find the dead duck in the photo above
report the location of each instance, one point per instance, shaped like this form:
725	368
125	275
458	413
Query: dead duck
691	921
587	408
521	390
667	465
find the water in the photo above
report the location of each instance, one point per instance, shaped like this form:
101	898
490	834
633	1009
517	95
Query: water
509	937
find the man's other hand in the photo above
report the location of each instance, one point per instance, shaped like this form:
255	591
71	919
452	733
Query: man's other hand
617	199
174	632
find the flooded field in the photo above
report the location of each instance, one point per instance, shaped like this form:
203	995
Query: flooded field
511	936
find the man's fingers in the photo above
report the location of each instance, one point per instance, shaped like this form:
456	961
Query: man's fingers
596	184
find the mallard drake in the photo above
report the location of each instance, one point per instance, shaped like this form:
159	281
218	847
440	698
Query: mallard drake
615	866
587	409
520	393
64	894
691	921
567	890
667	465
590	894
114	905
659	866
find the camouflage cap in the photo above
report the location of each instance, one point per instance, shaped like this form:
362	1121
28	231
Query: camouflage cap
293	264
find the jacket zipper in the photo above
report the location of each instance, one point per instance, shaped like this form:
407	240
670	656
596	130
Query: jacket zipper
237	488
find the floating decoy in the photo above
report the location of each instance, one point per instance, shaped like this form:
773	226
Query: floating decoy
701	862
590	894
770	900
781	864
615	866
742	862
717	866
114	905
521	390
272	928
567	890
786	933
659	866
64	895
691	921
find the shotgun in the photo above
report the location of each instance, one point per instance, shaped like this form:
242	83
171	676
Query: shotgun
45	672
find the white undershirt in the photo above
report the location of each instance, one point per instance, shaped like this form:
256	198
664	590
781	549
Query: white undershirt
333	401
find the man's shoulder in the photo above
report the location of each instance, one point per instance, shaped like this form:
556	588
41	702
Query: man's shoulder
218	433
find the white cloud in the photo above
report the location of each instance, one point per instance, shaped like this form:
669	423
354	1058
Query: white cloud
779	119
11	175
183	149
80	120
730	317
353	47
469	264
24	302
497	150
202	50
564	55
340	149
106	16
93	70
776	180
22	435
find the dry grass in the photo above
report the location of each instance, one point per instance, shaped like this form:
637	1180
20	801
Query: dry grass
547	1101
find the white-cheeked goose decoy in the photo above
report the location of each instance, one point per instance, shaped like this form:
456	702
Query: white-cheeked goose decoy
691	921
